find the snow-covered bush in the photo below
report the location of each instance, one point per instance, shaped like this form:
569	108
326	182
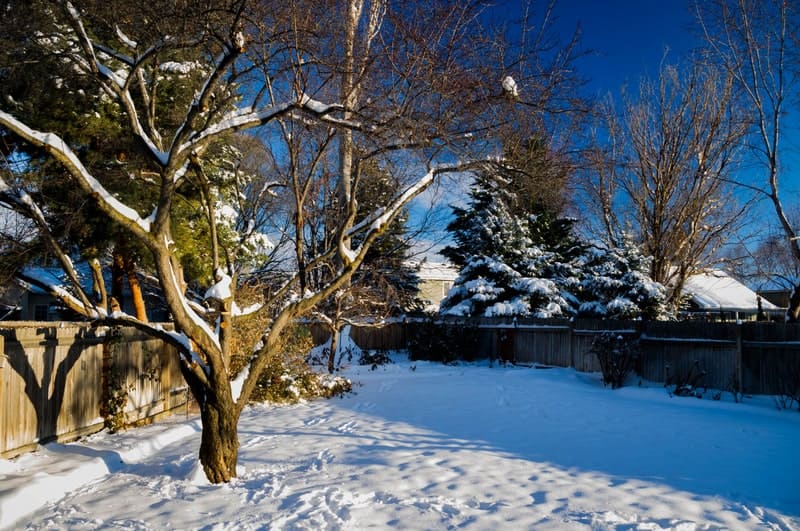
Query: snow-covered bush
287	377
686	383
617	355
374	358
286	384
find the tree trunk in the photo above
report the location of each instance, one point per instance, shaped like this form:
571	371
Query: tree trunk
136	290
219	446
793	311
98	284
117	277
334	347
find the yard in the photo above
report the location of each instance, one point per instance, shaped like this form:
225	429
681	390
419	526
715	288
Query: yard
428	446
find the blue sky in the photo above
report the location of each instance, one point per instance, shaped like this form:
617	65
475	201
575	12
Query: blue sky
623	40
626	39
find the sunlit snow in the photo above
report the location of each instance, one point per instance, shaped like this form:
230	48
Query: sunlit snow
429	446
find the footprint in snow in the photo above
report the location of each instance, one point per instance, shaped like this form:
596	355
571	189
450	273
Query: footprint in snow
255	441
316	420
364	406
347	427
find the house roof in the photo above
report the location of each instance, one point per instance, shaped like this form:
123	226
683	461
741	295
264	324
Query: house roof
715	290
46	275
437	271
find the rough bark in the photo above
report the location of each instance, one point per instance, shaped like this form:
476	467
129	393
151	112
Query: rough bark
219	444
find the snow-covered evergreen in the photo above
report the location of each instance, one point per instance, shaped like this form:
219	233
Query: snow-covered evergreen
616	284
533	265
510	265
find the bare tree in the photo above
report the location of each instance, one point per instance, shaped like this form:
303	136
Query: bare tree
765	260
756	42
408	85
664	171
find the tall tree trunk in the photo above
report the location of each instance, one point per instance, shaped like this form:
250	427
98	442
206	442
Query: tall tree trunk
219	440
334	347
136	290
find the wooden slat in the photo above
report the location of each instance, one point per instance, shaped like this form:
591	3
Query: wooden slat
768	351
51	381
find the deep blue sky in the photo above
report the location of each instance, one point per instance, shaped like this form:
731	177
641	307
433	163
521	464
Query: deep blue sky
626	38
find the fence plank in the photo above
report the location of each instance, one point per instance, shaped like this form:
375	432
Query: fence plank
52	383
762	356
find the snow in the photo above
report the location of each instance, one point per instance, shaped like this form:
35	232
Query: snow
239	41
347	253
220	291
434	270
247	310
346	345
130	43
238	383
716	290
510	86
175	67
429	446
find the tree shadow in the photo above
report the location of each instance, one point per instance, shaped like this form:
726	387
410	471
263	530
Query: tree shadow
47	394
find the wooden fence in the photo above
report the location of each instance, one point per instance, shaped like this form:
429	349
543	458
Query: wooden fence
763	357
56	380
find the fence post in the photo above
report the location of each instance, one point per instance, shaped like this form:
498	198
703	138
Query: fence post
738	367
570	331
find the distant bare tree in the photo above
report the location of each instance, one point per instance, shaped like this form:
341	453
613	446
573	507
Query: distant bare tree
663	171
756	42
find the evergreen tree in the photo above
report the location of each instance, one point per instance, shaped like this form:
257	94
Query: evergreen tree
617	284
386	272
510	264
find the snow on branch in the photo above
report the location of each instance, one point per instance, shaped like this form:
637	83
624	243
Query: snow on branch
239	119
248	117
197	320
117	86
127	41
380	217
21	202
127	59
56	146
58	292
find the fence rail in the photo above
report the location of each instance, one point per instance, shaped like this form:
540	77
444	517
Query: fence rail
55	380
759	358
55	377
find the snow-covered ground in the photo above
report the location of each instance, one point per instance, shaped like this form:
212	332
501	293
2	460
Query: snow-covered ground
426	446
